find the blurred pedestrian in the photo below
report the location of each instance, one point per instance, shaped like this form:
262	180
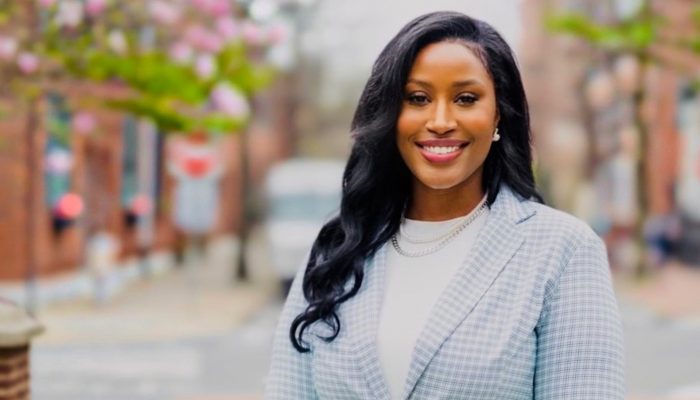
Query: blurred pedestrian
444	275
661	232
102	251
196	165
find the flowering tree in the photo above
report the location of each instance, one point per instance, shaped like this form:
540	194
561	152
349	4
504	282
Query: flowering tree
188	65
185	65
636	36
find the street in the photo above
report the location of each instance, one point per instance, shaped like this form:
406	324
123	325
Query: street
662	361
663	354
191	335
224	365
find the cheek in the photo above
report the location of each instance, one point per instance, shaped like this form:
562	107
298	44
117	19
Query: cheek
408	124
478	121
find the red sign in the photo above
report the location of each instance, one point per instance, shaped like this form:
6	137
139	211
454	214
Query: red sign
197	167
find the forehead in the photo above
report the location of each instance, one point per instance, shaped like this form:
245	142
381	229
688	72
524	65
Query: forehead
448	60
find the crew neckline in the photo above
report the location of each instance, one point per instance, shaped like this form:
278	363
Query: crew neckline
416	222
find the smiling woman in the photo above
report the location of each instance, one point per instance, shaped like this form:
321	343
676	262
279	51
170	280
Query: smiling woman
444	275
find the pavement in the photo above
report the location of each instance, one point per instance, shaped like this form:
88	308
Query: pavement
199	298
194	333
167	336
661	319
673	291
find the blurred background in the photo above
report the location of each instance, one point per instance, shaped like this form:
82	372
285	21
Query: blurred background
165	165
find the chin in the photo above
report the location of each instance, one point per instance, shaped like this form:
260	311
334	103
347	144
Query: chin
440	184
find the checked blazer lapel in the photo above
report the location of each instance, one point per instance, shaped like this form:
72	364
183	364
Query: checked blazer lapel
366	350
496	244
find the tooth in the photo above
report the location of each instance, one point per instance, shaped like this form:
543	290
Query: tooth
441	149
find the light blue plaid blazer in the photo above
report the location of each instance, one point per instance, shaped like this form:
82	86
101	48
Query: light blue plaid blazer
530	315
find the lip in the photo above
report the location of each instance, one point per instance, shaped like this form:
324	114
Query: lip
441	158
442	142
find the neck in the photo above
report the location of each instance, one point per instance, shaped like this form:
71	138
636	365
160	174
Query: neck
428	204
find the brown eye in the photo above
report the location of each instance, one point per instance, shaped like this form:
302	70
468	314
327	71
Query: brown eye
417	99
466	99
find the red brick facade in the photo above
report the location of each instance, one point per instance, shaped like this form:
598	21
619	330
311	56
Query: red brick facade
96	175
554	68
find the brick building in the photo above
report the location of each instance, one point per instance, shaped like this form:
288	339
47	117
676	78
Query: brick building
582	115
105	162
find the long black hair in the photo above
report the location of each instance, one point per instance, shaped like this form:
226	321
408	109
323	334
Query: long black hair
376	181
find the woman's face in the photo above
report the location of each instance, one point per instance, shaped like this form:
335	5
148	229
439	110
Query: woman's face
447	119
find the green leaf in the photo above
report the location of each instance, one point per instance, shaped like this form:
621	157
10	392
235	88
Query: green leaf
695	15
221	123
634	34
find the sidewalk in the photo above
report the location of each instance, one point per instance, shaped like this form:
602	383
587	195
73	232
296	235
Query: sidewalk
200	300
672	292
197	299
664	314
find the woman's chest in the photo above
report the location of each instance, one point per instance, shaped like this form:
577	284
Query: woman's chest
489	353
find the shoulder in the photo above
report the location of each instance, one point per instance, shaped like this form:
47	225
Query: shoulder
556	226
553	240
549	234
566	245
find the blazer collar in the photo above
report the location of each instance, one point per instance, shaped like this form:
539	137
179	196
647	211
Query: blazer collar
495	245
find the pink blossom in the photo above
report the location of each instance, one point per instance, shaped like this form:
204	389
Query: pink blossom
8	47
203	39
58	161
69	206
164	12
228	28
94	8
117	41
204	66
200	4
141	204
181	52
83	123
195	34
47	3
28	62
277	34
217	8
70	13
252	34
220	7
230	100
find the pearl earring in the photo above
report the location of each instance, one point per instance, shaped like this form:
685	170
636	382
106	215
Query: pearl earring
496	136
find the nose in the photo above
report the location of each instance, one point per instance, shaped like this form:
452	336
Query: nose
441	121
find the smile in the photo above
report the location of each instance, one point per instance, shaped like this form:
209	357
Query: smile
441	150
438	152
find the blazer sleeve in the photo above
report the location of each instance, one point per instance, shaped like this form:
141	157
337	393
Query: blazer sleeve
290	375
580	352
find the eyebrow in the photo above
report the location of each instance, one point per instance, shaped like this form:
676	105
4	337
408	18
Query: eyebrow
467	82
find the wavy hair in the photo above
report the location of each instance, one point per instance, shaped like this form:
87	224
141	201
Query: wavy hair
376	181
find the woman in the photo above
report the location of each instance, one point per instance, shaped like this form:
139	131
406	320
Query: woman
444	276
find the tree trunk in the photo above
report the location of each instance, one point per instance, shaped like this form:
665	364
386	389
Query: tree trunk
242	265
640	123
31	127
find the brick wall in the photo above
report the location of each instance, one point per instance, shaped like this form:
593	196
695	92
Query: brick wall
96	176
14	373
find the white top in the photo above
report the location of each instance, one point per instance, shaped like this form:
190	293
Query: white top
412	287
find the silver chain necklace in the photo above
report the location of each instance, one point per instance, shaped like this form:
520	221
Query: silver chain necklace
414	240
451	235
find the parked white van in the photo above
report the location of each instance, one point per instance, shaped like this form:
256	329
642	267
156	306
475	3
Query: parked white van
302	194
